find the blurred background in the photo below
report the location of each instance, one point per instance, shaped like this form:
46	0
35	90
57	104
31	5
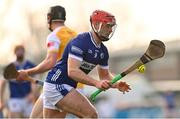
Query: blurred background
155	93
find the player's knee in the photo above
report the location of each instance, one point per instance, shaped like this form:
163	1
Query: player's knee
92	114
95	115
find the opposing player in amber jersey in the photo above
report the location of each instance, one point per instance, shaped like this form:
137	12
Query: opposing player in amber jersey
58	39
56	42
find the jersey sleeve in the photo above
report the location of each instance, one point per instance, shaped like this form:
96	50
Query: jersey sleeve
104	63
52	43
77	49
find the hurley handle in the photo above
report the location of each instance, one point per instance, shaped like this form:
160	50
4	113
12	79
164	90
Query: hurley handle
97	92
32	80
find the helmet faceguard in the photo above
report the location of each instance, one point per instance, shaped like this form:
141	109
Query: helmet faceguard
103	24
56	13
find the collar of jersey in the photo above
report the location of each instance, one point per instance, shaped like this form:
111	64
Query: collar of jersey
58	28
93	41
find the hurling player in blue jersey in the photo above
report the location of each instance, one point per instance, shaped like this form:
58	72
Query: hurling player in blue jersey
21	98
81	55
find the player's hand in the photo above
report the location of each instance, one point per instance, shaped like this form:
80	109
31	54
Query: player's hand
22	75
103	84
123	87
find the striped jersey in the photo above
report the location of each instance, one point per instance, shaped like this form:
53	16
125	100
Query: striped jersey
84	49
57	41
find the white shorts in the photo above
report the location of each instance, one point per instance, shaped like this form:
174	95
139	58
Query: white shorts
54	93
21	105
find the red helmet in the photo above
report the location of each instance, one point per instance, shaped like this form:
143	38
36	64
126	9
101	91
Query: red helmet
102	16
101	20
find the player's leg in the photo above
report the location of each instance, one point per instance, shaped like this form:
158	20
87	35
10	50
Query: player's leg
27	108
74	103
77	104
80	89
53	113
1	114
66	98
15	108
14	114
37	111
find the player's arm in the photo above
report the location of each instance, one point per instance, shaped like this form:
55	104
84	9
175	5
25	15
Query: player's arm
105	74
45	65
53	45
75	73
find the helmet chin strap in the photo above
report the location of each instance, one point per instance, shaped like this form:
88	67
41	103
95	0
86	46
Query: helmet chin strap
50	23
50	29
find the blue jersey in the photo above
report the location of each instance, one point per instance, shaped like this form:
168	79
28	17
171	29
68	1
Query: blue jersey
20	89
84	49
